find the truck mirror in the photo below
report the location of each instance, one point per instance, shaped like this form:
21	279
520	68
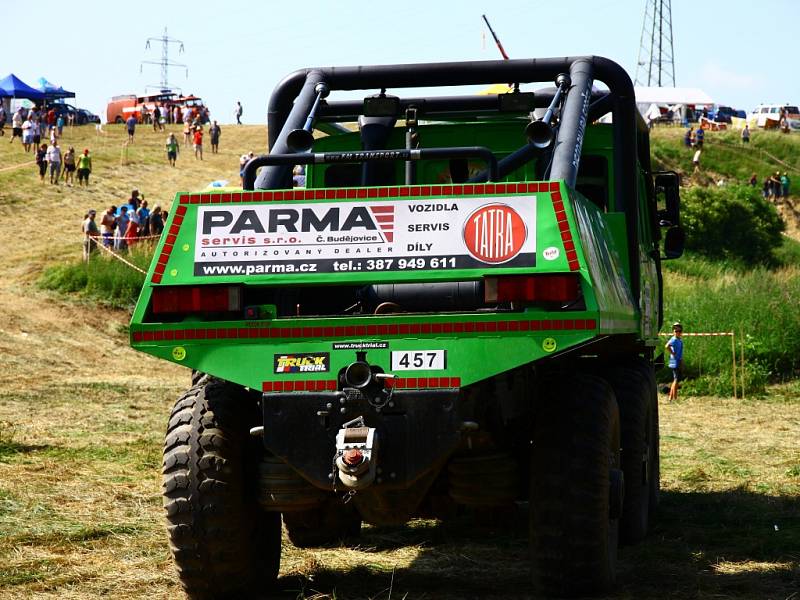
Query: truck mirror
667	186
674	242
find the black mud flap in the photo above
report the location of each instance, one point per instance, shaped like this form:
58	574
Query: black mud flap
416	430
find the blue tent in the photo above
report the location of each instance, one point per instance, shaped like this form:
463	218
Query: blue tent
52	91
11	86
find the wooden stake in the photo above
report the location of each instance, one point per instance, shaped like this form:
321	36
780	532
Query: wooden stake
741	334
733	356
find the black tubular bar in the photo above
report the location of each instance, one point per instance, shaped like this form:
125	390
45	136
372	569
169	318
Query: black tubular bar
368	156
293	97
572	124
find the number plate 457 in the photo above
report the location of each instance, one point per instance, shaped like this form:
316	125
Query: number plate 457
419	360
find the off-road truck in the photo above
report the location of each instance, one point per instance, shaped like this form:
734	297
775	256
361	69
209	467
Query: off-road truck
458	310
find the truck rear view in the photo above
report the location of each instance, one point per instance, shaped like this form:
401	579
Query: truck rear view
459	310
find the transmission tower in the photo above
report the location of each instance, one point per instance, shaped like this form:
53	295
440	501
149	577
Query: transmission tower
165	62
656	64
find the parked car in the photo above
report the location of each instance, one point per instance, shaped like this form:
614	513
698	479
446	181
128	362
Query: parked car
85	116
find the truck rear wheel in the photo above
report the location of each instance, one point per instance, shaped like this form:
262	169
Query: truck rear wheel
222	543
576	487
634	387
331	523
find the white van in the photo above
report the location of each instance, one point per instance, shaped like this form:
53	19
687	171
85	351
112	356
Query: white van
769	115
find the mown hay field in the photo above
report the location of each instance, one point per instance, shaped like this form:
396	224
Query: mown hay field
82	419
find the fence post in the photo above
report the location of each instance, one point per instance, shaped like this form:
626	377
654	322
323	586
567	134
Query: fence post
733	356
741	333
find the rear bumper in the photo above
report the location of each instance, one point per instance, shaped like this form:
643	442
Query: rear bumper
418	430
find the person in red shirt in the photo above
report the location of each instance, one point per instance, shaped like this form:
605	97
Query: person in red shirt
198	142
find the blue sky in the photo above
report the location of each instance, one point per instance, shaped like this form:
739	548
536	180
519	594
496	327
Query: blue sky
241	49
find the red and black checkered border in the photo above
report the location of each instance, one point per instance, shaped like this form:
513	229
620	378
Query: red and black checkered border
329	385
361	193
566	234
361	331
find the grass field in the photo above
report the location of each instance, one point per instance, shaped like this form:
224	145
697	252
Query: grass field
82	419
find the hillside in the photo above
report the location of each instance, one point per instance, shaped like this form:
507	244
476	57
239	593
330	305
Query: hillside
82	418
726	159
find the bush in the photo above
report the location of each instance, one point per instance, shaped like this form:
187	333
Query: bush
104	278
732	222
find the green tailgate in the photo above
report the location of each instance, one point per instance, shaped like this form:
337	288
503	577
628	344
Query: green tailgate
398	234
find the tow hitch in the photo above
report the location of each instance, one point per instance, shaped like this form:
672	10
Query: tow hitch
356	454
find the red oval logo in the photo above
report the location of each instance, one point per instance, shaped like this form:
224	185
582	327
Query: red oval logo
494	233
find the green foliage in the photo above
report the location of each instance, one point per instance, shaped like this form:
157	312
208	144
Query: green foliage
104	278
759	305
731	222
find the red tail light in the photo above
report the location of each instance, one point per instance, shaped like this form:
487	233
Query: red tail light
196	299
543	287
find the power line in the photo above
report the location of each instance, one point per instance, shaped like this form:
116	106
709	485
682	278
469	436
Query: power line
165	62
656	63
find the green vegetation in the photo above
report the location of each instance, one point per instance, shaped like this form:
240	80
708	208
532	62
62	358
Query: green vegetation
759	305
731	222
104	278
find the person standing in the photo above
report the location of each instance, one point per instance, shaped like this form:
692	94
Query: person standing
107	224
699	137
90	235
37	132
157	119
41	161
84	167
746	134
198	143
214	131
3	117
753	181
130	124
16	125
187	132
785	183
122	226
143	214
156	221
60	125
69	166
696	160
238	112
688	137
172	148
54	160
27	134
675	349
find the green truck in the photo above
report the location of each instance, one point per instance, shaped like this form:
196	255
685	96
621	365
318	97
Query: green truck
456	311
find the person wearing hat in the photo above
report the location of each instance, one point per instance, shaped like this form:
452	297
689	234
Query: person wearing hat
90	235
675	348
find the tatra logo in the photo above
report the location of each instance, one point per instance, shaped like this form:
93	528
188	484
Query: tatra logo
494	233
302	363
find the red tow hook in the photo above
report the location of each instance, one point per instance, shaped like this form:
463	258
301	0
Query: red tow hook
352	457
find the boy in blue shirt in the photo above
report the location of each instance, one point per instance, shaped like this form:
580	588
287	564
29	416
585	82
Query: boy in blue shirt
675	348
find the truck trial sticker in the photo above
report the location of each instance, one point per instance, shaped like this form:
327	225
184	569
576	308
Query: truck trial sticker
402	235
302	363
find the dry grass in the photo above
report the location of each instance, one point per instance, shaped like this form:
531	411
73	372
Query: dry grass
82	418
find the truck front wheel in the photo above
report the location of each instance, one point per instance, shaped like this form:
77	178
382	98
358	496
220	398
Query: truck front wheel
576	486
223	544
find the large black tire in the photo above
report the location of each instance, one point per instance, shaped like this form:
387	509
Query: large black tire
574	505
634	387
224	546
333	523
